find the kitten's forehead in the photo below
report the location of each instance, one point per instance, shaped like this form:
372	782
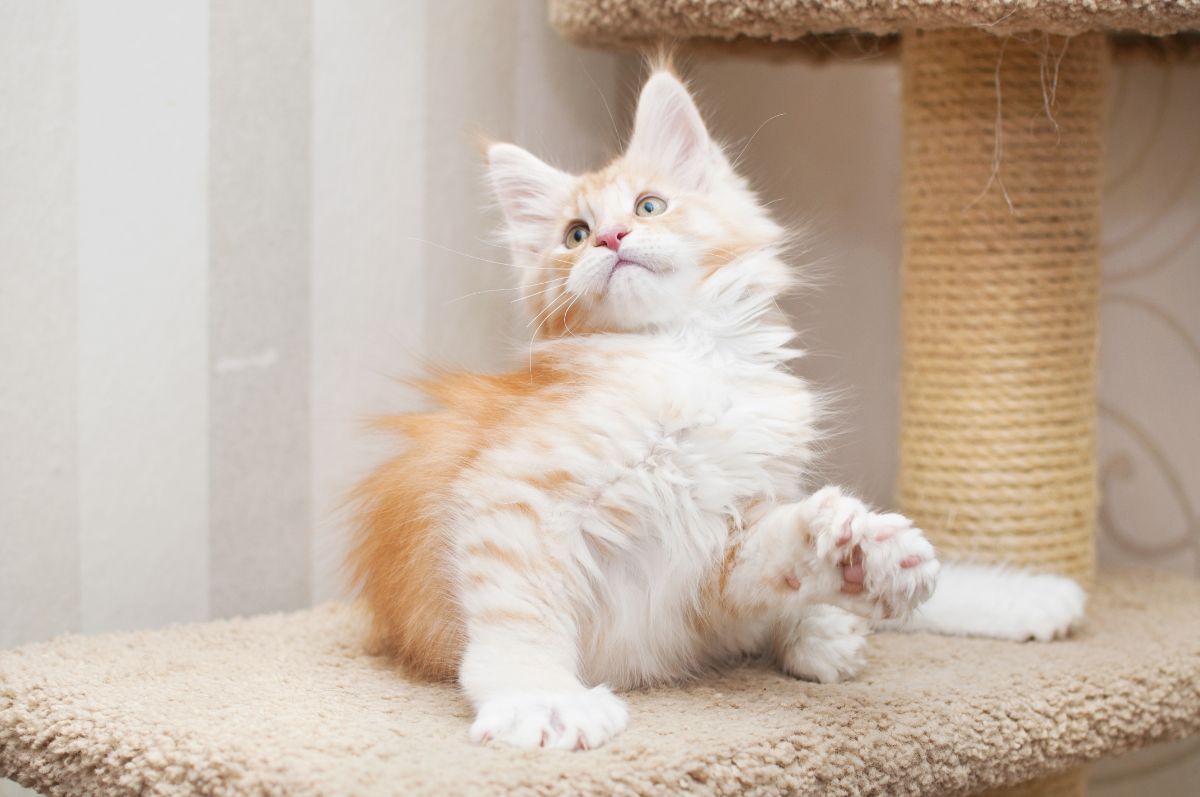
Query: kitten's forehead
609	192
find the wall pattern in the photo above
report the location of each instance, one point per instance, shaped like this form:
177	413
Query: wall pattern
1150	366
225	226
1150	361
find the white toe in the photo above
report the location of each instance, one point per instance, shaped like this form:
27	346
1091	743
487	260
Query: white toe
583	719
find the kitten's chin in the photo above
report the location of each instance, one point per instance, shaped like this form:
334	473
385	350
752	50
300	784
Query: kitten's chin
638	297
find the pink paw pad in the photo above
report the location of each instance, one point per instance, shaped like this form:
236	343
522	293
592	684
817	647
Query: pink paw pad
853	574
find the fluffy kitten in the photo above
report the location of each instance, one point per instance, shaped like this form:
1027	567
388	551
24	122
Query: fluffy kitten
628	507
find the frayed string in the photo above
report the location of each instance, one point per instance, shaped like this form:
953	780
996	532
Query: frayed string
998	149
1049	77
1050	64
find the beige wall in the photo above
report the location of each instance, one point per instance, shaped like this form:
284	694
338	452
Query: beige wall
224	226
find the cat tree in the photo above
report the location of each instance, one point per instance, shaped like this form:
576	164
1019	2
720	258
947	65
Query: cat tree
1003	117
999	325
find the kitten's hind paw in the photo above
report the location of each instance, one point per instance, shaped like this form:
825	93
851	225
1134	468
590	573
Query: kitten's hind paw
576	720
826	646
1001	603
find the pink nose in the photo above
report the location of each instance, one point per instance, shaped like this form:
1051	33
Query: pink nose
612	237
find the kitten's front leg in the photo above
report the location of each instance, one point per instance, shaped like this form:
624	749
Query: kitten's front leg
806	559
527	698
876	564
519	666
809	639
832	549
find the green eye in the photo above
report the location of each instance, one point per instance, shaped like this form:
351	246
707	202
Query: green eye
577	233
650	205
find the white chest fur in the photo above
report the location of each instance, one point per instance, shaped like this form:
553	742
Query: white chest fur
686	437
664	439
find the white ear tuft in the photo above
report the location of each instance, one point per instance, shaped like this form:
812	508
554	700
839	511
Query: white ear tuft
668	130
530	191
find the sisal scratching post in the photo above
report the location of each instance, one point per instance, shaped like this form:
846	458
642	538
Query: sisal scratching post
1002	179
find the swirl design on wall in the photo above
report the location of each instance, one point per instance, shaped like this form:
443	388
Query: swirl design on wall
1150	260
1152	205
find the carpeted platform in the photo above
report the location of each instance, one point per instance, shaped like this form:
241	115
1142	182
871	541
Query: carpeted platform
622	22
855	30
292	705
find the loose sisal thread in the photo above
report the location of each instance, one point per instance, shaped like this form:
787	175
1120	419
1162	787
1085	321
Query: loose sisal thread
1001	278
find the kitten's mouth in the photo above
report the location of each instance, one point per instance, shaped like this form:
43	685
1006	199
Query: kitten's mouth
623	263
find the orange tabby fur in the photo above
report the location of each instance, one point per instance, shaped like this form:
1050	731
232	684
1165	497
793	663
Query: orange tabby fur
400	556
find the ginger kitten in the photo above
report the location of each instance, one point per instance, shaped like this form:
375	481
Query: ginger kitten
629	506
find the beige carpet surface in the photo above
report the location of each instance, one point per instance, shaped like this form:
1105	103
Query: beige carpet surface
291	704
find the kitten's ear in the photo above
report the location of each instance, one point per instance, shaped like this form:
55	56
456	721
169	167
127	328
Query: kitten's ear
668	131
531	192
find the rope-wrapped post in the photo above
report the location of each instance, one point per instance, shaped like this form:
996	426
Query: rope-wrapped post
1002	181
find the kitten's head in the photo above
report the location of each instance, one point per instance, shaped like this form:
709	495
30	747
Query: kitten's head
628	247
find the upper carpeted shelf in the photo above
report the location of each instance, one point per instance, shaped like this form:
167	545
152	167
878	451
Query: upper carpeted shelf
862	28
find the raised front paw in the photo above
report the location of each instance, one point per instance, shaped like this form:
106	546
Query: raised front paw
576	720
883	565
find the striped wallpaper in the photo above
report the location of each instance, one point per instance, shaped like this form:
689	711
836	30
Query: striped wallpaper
221	232
225	225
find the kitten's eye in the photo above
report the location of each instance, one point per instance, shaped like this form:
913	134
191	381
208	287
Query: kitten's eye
577	233
650	205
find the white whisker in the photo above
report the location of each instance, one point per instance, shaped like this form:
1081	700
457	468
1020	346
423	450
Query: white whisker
550	307
535	334
505	290
470	256
538	293
612	119
737	161
479	293
567	313
492	244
